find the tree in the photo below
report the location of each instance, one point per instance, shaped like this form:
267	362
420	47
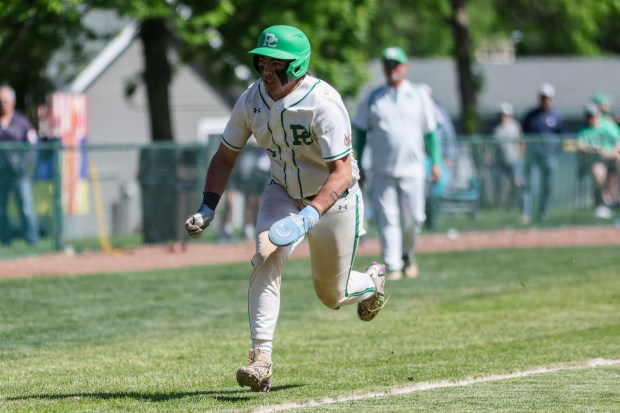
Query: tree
338	31
30	34
216	35
157	76
419	26
207	33
463	56
436	28
563	27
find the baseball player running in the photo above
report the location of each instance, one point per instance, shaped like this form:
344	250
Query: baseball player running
303	124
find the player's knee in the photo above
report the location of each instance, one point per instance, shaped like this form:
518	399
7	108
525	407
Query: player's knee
268	254
330	302
329	299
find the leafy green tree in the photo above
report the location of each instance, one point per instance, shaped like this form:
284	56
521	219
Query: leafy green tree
428	28
463	55
563	27
208	33
216	35
421	27
338	31
30	33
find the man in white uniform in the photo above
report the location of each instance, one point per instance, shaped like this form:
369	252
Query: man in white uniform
401	123
303	124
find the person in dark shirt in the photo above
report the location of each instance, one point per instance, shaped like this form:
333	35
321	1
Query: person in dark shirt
541	127
16	168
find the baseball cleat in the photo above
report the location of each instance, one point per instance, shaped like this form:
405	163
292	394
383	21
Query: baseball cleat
411	271
258	374
370	307
394	275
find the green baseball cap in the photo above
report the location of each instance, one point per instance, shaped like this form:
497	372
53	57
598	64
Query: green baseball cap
601	98
395	54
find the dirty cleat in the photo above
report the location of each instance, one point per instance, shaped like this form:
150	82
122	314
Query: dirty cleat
258	374
369	308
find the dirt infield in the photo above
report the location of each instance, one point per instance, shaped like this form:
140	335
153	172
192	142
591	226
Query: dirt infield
194	253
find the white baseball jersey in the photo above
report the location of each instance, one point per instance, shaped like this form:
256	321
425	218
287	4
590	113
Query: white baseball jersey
301	132
396	121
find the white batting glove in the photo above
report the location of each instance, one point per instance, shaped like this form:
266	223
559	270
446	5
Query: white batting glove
196	223
288	230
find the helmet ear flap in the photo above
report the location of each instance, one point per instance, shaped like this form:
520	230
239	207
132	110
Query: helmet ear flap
292	71
296	69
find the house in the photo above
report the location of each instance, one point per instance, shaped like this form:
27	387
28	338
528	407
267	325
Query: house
115	118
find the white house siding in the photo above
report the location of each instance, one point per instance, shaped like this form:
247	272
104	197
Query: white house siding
113	118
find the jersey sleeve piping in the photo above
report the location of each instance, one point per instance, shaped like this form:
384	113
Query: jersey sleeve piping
338	156
229	145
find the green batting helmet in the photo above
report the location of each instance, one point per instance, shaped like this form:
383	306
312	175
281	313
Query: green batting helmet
285	43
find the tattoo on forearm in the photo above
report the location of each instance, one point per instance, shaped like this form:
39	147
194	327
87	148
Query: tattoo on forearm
334	196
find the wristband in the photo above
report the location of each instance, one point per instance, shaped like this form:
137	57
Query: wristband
210	199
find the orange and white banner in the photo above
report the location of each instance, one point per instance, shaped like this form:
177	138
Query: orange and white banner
69	121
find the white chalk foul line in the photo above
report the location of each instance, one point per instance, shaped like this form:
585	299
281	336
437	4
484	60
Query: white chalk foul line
429	385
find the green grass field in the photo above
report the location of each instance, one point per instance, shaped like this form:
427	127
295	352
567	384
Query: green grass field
171	340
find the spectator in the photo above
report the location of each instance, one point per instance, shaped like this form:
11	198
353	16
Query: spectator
401	121
542	126
606	118
508	154
16	169
599	149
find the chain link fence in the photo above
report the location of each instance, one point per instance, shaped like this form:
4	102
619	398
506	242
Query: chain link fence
102	197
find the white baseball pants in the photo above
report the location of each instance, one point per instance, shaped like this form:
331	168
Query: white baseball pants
399	211
333	243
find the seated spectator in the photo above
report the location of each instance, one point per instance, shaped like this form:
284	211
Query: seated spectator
606	118
599	149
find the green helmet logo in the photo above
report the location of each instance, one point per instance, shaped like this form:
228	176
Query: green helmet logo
270	40
284	43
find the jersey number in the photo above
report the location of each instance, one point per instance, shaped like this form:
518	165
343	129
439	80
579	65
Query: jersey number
300	135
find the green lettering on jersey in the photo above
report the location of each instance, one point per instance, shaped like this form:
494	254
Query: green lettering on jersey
300	135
